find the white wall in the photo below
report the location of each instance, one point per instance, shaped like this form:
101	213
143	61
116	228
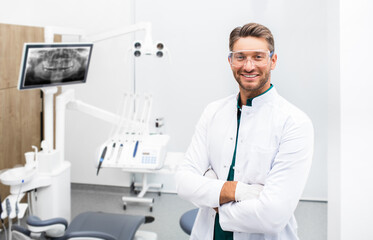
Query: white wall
196	33
109	73
352	204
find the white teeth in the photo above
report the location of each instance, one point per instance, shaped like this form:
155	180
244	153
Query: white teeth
249	76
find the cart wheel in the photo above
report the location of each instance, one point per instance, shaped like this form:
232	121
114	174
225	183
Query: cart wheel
124	207
151	209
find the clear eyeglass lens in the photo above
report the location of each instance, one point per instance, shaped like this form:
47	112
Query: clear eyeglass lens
257	58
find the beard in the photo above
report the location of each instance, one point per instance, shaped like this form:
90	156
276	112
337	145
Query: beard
252	87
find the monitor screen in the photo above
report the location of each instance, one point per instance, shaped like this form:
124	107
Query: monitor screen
55	64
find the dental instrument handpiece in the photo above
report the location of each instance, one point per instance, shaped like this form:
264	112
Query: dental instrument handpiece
17	210
112	151
119	152
101	159
135	149
9	210
8	207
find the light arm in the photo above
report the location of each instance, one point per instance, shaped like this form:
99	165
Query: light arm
147	47
142	26
67	100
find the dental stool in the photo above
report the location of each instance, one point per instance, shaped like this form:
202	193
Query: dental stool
88	225
187	220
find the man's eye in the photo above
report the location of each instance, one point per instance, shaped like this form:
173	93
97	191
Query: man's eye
239	58
259	57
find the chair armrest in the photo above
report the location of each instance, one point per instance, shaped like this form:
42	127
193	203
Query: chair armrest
54	227
88	234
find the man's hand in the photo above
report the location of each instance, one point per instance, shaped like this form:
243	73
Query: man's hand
228	191
239	191
234	190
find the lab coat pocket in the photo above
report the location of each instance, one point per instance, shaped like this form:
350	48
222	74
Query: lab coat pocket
256	163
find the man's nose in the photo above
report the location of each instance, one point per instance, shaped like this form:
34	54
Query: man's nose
249	65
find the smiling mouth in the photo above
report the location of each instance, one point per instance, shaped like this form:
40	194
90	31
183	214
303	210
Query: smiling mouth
249	75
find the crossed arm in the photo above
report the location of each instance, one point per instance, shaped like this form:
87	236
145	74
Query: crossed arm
234	191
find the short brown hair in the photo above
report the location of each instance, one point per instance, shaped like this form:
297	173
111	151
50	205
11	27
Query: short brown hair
252	30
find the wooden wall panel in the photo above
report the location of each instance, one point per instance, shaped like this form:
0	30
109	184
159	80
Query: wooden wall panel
12	38
19	125
19	110
30	119
9	128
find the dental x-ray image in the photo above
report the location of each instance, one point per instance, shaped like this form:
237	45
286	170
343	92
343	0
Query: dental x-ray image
47	65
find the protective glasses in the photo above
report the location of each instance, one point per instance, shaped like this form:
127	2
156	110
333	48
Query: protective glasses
259	58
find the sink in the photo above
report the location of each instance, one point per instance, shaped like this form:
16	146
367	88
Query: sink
16	176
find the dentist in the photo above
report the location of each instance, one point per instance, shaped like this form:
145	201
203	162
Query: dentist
250	156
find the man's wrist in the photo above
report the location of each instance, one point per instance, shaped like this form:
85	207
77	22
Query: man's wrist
228	191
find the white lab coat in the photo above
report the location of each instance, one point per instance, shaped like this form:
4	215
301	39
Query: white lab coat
274	148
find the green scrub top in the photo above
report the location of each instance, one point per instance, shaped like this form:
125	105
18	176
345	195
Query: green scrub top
219	233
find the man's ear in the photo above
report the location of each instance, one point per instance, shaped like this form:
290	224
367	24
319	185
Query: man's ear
273	61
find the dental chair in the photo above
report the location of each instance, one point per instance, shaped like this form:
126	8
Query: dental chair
187	220
88	225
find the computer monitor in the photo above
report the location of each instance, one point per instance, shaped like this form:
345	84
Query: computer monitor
54	64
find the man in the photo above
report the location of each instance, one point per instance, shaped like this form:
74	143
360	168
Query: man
250	155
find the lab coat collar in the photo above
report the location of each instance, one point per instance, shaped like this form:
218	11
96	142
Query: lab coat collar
267	96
